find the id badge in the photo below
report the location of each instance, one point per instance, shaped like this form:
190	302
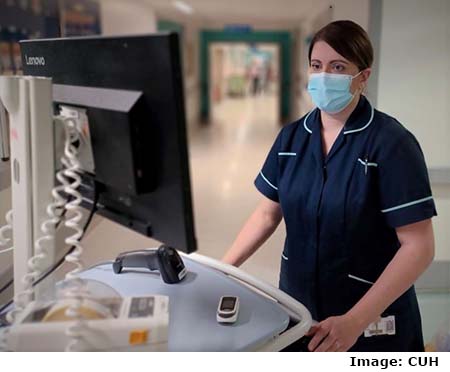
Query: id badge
385	326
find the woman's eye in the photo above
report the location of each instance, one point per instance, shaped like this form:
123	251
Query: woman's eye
315	66
339	68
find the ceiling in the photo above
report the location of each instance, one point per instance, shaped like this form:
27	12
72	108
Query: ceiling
243	11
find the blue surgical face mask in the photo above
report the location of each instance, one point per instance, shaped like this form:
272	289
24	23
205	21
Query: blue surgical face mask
331	92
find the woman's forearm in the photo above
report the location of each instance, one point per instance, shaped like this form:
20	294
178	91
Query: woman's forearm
258	228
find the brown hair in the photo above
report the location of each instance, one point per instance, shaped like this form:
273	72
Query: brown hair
348	39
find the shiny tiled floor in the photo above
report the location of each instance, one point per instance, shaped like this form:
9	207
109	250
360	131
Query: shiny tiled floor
226	158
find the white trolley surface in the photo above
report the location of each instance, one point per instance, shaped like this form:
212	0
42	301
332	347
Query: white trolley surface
193	305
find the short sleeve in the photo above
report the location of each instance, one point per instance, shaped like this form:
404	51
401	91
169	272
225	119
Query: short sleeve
267	179
404	185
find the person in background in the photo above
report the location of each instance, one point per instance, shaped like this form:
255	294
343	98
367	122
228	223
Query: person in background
255	72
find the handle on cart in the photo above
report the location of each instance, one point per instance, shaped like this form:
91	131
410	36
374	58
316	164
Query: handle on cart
295	308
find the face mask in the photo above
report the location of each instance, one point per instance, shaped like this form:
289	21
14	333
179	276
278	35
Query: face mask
331	92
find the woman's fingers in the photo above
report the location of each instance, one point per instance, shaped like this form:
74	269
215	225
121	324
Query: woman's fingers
320	334
328	344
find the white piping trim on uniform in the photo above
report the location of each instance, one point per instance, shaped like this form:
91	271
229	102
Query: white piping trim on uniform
284	257
306	119
372	114
287	154
407	204
359	279
368	164
365	126
265	179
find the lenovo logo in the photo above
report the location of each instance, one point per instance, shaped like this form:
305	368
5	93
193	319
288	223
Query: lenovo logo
34	61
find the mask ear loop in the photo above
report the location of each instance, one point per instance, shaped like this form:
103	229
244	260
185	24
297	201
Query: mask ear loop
361	90
359	73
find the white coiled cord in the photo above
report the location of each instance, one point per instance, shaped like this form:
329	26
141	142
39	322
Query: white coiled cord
69	181
5	241
77	286
4	230
35	263
76	289
48	229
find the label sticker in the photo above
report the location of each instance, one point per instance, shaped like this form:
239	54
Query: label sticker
385	326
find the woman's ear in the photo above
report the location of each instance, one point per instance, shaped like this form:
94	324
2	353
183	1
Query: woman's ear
365	74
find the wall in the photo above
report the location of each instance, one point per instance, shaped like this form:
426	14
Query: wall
414	85
191	70
354	10
414	65
124	18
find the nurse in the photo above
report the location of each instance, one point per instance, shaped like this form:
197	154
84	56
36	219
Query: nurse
351	184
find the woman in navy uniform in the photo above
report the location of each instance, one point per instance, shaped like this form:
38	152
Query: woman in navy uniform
351	184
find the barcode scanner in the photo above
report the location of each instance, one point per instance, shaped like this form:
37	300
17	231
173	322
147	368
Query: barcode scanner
164	259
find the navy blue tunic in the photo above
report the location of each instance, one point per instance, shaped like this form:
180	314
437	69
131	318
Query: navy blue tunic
341	211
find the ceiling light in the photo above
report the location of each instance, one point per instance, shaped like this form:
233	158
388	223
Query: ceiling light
183	7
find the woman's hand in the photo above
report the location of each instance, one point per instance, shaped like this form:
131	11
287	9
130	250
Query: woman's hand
339	333
336	333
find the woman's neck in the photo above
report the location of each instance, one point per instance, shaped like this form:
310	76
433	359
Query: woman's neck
335	122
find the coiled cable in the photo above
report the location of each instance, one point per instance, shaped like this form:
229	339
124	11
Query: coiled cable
69	180
61	261
35	263
77	289
4	230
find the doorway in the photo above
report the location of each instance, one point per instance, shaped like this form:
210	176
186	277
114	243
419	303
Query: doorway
280	38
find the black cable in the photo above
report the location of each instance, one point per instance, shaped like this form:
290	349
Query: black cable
6	286
71	249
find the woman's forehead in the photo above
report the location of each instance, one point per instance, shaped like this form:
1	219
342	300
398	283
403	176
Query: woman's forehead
323	52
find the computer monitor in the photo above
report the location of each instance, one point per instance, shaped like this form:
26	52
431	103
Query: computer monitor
135	152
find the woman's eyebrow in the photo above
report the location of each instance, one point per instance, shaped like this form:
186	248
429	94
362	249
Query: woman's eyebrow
339	60
333	61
